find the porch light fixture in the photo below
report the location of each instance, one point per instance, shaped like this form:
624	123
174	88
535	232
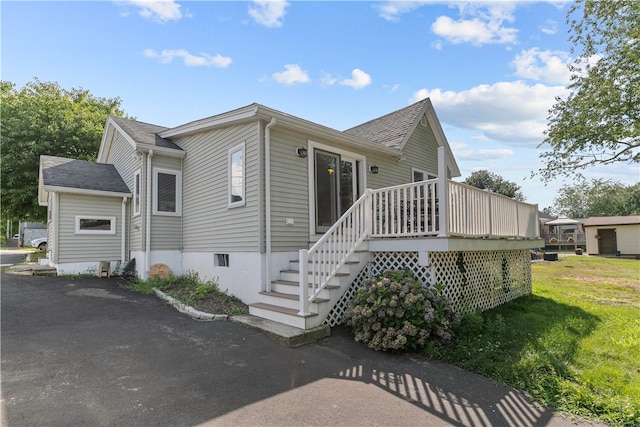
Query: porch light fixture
301	152
374	169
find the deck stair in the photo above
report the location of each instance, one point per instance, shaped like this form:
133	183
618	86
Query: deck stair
282	302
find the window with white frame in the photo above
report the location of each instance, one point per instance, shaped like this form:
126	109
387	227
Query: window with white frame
136	193
167	194
88	224
236	176
419	175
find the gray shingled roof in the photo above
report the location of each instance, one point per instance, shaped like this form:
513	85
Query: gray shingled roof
390	130
81	174
612	220
145	133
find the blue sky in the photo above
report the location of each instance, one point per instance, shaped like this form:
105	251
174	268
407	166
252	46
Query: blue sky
491	69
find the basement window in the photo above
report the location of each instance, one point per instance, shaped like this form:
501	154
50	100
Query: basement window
221	260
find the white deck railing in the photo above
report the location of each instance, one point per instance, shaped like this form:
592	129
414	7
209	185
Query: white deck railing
413	210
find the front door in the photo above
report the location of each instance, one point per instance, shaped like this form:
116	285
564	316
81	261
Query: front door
336	187
607	242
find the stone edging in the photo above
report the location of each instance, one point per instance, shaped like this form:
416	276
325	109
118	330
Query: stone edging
189	311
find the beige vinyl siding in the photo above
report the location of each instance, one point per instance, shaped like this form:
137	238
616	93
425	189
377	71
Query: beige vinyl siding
166	230
74	247
208	223
289	191
121	156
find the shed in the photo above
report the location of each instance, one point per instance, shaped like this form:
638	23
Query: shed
613	235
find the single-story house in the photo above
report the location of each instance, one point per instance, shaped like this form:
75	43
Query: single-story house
286	214
613	235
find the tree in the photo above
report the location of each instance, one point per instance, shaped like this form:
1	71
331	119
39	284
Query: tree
43	118
598	197
488	180
597	123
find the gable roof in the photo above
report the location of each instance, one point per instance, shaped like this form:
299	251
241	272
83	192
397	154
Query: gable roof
144	133
388	133
141	136
612	220
391	130
79	176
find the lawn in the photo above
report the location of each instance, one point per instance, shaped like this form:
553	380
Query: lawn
574	344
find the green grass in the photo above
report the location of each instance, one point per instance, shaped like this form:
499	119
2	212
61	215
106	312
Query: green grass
574	344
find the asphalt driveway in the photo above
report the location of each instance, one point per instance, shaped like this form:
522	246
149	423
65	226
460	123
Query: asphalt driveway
89	353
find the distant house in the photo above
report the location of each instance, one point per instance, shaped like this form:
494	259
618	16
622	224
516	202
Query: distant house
613	235
286	214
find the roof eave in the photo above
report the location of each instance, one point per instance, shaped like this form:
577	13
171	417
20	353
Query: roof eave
107	139
211	122
169	152
84	191
322	131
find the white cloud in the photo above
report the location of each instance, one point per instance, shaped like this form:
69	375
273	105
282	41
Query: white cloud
510	112
328	79
358	80
550	27
391	10
204	60
392	88
158	10
269	13
292	74
543	65
483	154
479	24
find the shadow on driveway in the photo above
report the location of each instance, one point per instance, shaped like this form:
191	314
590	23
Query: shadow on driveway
87	352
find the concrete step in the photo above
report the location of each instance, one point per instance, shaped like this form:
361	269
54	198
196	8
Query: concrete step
287	335
287	316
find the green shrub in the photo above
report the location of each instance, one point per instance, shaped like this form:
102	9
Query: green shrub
396	312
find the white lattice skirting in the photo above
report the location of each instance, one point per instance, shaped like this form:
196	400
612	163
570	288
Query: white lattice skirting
473	280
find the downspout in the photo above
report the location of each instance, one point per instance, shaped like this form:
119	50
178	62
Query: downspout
55	215
182	218
267	196
124	231
147	255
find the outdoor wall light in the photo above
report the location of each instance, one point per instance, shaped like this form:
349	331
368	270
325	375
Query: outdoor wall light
373	169
301	152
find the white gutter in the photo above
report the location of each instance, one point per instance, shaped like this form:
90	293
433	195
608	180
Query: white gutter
267	195
124	232
147	230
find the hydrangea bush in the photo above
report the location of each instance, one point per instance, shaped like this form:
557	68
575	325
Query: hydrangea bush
396	312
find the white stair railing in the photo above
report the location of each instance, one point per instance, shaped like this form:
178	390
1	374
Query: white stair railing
320	263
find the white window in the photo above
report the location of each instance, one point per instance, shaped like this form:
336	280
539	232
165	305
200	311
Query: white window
167	195
419	175
87	224
136	193
236	176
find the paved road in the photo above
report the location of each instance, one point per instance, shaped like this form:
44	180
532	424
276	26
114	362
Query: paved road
88	353
11	256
